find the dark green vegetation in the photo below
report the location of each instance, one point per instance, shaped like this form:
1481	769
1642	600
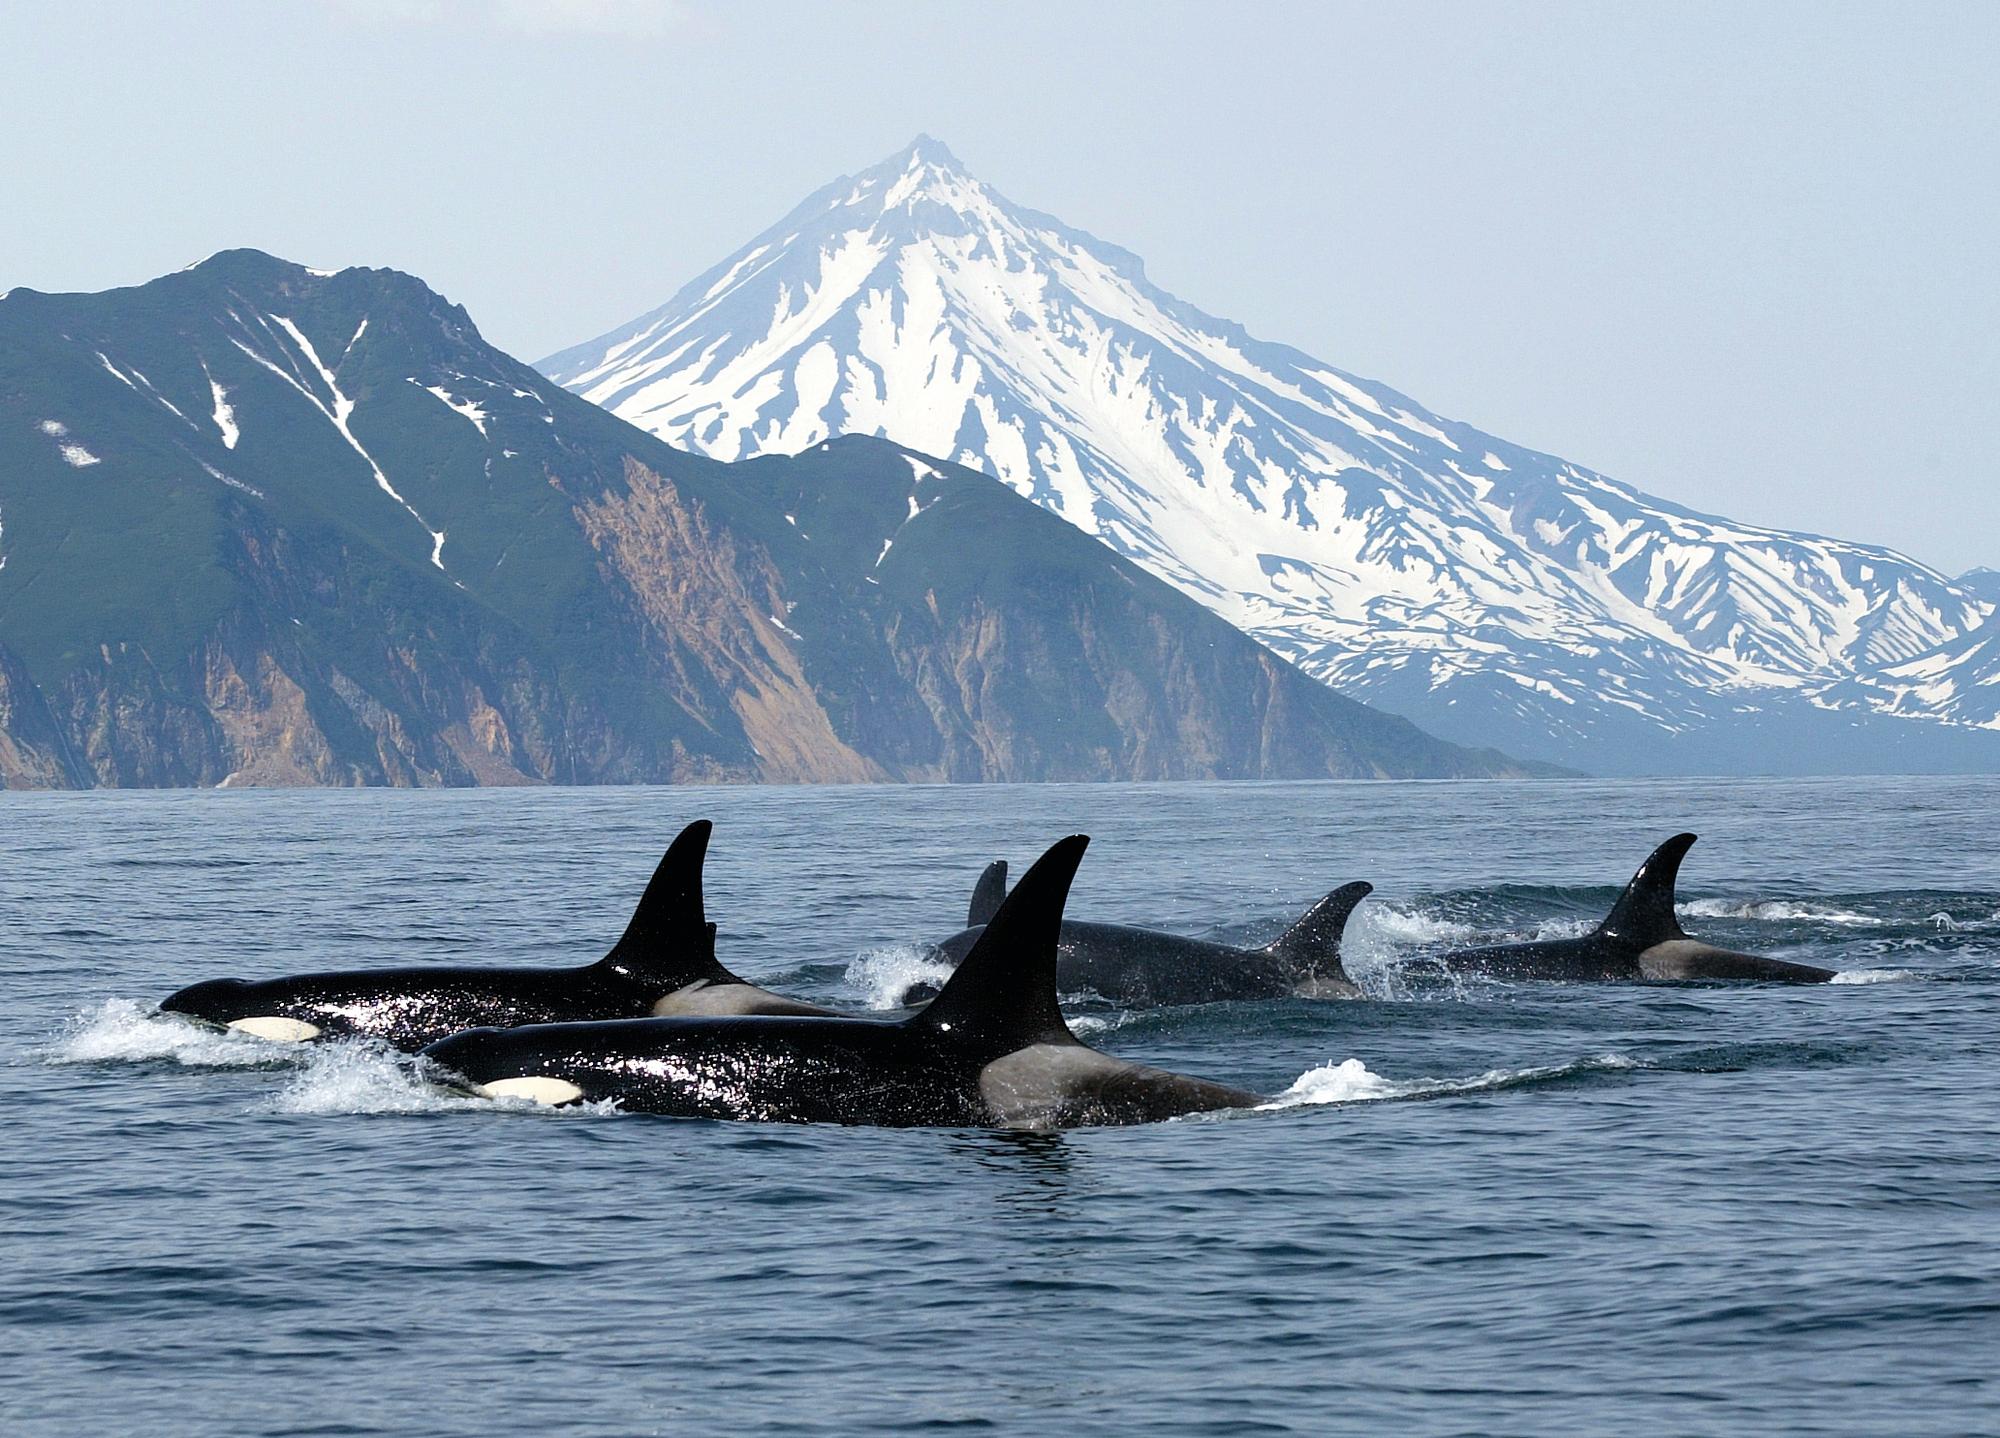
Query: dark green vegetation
205	577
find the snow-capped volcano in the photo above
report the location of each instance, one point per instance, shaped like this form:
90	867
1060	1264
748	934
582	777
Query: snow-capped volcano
1492	592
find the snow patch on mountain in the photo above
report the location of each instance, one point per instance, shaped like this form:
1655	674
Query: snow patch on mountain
116	373
1958	682
452	402
75	456
213	473
337	407
223	415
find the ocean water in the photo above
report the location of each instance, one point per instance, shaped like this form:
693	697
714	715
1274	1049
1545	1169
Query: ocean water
1475	1209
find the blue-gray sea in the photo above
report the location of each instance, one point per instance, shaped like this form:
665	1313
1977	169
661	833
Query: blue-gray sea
1477	1209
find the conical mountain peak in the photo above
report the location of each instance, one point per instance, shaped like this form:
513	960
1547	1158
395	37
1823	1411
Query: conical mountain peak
923	173
927	150
1381	546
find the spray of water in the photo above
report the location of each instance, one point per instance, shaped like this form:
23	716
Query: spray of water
1352	1081
882	976
128	1031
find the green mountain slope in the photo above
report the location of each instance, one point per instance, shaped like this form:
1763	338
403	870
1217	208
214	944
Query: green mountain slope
260	524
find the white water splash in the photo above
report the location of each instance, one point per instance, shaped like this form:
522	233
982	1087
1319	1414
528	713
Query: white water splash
1873	976
1378	937
1385	952
354	1078
127	1031
1382	923
882	976
1775	911
1082	1024
1352	1081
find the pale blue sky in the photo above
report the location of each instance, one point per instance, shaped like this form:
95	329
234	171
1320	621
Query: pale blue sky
1739	255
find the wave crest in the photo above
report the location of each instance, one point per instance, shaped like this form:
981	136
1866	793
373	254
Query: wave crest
1352	1081
1777	911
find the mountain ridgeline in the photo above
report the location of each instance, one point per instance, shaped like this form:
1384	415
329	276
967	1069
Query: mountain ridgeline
266	525
1493	593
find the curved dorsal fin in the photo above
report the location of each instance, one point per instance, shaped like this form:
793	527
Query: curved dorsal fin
1002	996
669	942
1311	946
987	894
1644	913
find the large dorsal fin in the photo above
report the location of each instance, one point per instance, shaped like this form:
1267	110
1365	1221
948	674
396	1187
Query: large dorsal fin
1002	996
987	894
1644	913
1311	946
669	943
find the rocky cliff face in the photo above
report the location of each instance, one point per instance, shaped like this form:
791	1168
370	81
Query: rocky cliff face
260	525
954	631
31	745
716	600
370	695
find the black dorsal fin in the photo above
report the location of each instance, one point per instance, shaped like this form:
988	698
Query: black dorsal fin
669	943
1002	996
1644	913
1311	946
987	894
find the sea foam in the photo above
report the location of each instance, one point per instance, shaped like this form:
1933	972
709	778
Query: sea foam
1352	1081
1388	924
128	1031
1776	911
361	1077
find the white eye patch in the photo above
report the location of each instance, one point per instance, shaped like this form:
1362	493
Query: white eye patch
276	1029
534	1088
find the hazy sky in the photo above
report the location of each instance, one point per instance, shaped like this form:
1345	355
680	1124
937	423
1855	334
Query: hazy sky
1742	256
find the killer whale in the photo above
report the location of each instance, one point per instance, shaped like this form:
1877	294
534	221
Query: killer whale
664	963
1641	940
1145	968
991	1051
